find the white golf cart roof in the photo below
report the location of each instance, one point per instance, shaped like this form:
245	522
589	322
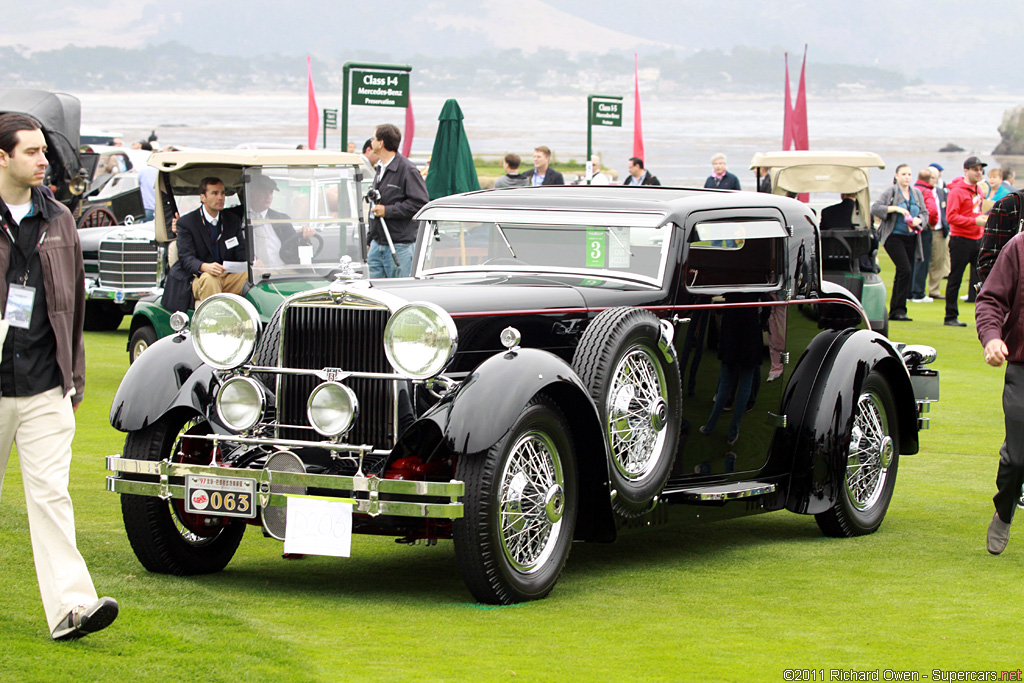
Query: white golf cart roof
807	171
816	158
173	161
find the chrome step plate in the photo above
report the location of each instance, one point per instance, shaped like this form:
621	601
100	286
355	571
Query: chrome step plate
732	491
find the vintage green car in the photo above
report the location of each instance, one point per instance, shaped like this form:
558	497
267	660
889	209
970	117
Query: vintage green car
318	192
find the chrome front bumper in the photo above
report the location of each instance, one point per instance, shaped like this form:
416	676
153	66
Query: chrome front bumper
362	491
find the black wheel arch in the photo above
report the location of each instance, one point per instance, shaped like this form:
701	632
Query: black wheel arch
473	418
819	404
168	375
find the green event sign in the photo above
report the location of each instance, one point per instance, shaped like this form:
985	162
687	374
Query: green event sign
380	88
596	248
606	113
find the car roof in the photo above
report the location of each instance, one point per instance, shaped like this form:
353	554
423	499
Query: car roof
816	158
174	161
550	203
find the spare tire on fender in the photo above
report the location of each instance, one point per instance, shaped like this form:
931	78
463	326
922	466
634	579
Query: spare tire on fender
632	374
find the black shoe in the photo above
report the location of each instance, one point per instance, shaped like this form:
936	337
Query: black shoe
901	316
953	322
84	620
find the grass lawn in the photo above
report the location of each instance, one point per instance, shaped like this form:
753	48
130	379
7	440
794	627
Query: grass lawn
741	600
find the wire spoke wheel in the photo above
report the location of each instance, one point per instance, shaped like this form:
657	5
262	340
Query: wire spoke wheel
637	409
871	451
626	360
532	501
520	508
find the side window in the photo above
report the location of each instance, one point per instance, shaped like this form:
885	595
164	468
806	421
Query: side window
731	254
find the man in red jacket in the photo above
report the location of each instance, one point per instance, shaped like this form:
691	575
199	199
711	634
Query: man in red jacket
1000	319
966	225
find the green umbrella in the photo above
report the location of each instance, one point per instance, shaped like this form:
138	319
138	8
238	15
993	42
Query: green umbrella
451	163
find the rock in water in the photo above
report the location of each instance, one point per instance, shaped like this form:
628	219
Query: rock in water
1012	131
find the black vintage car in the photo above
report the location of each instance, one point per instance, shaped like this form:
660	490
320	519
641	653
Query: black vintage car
566	363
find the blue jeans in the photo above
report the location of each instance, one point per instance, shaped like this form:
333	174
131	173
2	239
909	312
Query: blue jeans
149	214
382	265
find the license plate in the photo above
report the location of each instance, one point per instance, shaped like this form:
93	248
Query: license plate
223	496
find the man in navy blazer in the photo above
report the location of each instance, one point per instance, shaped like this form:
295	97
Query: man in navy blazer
541	174
207	237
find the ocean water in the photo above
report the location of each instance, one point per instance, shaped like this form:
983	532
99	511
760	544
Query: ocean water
679	135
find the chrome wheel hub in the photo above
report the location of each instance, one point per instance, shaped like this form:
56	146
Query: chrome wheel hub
637	413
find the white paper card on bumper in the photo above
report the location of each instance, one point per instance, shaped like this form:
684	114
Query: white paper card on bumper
318	527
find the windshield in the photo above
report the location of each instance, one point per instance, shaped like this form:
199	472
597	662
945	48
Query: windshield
303	220
635	253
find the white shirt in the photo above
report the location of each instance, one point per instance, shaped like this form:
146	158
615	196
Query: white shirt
19	211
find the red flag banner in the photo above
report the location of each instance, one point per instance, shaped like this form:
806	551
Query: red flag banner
638	129
800	135
787	120
313	113
410	129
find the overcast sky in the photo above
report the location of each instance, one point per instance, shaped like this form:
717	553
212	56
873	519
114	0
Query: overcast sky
940	41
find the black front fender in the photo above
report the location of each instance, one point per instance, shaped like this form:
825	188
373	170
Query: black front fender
168	375
819	405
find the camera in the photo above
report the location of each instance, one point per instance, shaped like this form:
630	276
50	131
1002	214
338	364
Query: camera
372	195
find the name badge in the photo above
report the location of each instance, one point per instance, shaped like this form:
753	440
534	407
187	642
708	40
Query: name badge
20	300
231	243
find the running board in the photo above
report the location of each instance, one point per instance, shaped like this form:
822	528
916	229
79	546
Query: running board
733	491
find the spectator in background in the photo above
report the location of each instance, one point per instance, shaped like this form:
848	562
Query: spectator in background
919	280
938	266
966	226
996	189
542	174
764	184
902	213
402	194
720	177
512	177
638	175
147	185
351	147
596	177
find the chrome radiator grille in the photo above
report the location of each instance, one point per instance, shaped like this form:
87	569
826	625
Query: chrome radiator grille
128	264
346	338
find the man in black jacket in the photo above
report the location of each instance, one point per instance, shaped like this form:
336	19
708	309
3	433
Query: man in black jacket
207	237
638	175
541	173
402	194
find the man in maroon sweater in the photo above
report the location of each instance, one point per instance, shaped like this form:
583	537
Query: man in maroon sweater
998	314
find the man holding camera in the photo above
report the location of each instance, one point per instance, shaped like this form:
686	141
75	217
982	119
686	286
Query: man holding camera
398	193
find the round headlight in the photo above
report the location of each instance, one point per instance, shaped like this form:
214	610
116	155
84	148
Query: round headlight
420	339
225	328
332	408
240	403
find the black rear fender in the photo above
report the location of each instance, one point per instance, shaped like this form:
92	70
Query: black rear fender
819	403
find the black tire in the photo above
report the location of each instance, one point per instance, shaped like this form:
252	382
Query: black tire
641	418
868	462
268	348
498	561
142	339
165	538
102	316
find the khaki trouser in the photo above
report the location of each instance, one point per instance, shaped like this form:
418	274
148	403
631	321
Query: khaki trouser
938	267
207	285
42	426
